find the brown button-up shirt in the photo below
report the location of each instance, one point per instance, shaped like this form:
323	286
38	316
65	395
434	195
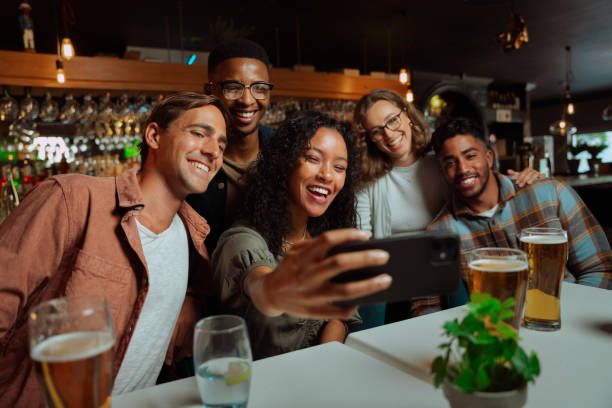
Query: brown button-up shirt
76	235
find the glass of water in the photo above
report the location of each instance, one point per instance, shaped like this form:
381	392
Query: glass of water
223	361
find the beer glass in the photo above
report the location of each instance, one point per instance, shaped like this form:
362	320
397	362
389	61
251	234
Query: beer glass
502	273
546	250
222	359
71	344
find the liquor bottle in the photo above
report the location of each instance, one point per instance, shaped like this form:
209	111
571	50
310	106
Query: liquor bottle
8	193
27	179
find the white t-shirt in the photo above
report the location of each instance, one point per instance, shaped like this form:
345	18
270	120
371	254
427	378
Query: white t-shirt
415	196
490	212
167	257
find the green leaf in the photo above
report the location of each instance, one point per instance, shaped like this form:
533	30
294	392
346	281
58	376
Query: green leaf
506	331
533	367
482	379
506	314
519	361
478	297
439	369
486	338
508	303
465	380
507	349
471	324
452	327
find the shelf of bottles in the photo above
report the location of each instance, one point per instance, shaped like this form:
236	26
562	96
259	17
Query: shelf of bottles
281	107
43	135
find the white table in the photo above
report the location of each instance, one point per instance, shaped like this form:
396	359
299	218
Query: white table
329	375
576	361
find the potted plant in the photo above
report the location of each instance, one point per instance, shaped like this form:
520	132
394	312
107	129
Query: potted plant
483	365
574	163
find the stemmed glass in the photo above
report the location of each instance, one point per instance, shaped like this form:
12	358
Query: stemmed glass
222	359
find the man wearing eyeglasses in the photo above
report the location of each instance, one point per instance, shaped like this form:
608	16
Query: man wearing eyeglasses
239	74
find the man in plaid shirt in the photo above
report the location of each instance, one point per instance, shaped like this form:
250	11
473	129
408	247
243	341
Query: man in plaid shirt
488	210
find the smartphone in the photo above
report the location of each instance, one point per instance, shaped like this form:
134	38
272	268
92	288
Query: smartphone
421	264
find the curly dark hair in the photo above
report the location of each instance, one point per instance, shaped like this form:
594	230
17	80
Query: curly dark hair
267	181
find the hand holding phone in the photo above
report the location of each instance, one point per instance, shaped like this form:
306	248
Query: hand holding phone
421	264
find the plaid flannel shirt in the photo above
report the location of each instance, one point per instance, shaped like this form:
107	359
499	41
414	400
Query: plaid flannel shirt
545	203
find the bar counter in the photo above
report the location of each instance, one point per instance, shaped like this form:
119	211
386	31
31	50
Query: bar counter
584	180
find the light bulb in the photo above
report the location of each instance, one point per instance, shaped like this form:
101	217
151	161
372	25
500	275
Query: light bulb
409	96
67	49
570	109
61	77
562	124
403	76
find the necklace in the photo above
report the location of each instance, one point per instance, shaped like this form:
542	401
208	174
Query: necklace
289	243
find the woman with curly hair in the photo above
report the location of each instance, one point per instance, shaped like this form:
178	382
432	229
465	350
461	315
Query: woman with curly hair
403	186
303	184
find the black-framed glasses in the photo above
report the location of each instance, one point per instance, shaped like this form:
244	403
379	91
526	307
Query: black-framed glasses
233	90
393	123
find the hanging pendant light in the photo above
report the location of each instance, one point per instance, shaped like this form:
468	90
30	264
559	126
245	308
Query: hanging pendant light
60	75
409	96
404	78
563	127
67	49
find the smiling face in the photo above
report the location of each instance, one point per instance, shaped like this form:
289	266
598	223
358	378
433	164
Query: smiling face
246	111
466	164
319	175
397	144
190	152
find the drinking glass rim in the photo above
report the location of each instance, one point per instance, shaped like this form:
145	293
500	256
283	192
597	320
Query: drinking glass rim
496	254
36	310
512	251
239	324
544	231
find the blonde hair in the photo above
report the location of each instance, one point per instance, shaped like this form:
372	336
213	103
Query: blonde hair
376	163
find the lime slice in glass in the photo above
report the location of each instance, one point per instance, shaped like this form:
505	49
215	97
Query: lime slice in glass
237	372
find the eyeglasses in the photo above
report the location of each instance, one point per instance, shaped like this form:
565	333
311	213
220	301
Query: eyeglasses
393	123
233	90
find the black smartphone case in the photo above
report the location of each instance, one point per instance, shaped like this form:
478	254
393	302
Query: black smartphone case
421	264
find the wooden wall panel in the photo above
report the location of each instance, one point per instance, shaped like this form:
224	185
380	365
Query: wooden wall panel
38	70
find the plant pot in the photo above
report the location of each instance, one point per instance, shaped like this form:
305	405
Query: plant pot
505	399
573	165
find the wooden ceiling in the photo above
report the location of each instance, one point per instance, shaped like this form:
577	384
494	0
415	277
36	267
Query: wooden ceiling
446	36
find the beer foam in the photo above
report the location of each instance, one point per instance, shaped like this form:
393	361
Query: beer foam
544	239
498	265
72	346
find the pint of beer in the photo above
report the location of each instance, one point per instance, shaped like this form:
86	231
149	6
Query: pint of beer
71	345
546	250
502	273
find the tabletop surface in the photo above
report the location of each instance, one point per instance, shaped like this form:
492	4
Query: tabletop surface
328	375
576	361
388	366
